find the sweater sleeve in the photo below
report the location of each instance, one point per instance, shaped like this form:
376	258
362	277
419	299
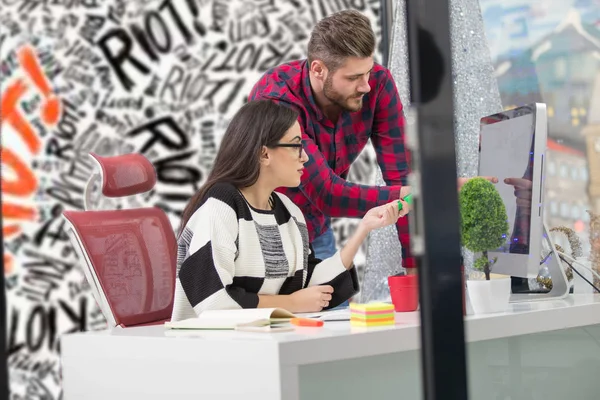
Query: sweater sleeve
207	274
331	271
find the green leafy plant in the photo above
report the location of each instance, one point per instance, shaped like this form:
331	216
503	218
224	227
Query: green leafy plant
484	223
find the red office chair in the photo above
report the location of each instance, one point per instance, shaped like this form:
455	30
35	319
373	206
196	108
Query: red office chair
128	255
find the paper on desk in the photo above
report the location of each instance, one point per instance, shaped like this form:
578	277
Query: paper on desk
334	315
233	319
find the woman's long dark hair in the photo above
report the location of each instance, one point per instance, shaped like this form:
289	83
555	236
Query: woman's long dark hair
257	123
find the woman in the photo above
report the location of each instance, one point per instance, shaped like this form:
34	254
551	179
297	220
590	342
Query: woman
243	245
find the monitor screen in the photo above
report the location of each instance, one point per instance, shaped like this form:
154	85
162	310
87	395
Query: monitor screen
507	146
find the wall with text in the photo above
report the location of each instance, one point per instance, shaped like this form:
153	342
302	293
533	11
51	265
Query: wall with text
161	77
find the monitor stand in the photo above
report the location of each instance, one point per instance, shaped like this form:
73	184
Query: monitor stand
560	283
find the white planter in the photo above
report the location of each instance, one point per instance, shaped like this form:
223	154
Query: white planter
489	296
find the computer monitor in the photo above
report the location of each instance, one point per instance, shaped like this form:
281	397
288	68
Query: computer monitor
512	148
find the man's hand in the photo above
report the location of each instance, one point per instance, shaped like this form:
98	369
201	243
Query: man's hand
522	192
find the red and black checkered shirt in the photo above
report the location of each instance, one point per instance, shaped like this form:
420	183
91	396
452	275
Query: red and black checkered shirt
332	147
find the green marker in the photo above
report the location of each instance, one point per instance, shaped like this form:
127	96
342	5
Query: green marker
407	198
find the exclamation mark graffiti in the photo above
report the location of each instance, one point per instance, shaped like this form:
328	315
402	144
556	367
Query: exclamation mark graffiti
11	114
51	107
18	179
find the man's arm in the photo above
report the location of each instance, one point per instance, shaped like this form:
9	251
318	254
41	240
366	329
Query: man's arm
519	240
326	190
388	134
335	196
393	157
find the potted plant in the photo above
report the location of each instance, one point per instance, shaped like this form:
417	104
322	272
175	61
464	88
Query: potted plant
484	228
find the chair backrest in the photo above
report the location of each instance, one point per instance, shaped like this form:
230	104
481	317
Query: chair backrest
128	255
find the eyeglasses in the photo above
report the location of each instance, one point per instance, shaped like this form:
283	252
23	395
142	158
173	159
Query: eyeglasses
299	146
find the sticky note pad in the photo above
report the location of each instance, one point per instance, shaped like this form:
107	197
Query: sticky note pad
371	314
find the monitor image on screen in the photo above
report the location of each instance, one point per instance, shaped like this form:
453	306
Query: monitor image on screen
512	148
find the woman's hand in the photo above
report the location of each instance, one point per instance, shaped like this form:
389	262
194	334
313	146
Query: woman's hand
311	299
387	214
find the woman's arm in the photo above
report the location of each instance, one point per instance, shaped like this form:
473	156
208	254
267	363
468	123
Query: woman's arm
377	217
337	271
273	301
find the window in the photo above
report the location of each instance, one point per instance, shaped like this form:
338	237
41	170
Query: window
583	173
564	171
574	173
564	210
575	212
560	69
553	208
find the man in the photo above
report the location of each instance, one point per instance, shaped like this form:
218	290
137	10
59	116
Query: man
344	99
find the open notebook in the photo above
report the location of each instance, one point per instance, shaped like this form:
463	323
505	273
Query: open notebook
250	319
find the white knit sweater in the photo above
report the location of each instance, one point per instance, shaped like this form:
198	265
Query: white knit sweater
229	253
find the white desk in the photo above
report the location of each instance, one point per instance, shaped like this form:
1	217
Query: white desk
546	350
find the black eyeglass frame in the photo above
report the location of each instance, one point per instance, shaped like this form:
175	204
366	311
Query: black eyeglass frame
299	146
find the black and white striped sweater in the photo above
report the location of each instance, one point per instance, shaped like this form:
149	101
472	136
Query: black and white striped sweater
229	253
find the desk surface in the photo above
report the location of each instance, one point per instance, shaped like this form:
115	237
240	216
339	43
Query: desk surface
339	340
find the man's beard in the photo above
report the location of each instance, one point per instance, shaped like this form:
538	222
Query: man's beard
351	103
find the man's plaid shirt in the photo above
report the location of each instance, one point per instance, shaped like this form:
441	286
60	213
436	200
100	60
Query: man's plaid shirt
331	148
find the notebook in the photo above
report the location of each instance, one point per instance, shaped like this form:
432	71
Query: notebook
249	319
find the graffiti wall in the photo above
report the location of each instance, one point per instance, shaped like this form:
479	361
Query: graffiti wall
158	77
